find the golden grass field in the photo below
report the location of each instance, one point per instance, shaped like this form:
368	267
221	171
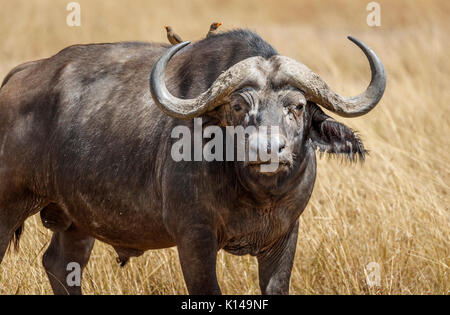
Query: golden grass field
393	210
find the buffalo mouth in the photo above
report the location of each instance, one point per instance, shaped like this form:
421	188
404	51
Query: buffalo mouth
257	167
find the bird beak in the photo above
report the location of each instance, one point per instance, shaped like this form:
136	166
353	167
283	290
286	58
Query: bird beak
219	24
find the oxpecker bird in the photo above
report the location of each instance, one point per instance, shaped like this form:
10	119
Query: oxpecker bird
172	37
213	30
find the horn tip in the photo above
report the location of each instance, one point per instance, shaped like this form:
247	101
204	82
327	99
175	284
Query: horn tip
185	43
361	45
353	39
181	45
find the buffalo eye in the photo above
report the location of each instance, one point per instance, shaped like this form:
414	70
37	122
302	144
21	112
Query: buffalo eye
296	109
237	107
238	104
294	102
301	102
299	107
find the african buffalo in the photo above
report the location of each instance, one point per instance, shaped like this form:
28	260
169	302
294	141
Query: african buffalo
85	139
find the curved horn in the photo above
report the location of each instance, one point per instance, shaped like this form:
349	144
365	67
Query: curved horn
318	91
190	108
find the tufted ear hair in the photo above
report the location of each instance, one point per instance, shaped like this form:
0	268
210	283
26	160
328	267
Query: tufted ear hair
333	137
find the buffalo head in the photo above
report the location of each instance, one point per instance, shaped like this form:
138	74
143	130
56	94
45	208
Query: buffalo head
280	92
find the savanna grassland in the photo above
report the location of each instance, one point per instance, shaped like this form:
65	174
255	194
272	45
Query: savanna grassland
393	210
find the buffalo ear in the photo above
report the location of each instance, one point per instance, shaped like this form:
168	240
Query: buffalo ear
333	137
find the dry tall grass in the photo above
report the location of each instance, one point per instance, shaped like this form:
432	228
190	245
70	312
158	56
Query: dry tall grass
393	210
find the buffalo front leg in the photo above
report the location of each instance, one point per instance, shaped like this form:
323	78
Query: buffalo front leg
197	249
275	264
65	260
